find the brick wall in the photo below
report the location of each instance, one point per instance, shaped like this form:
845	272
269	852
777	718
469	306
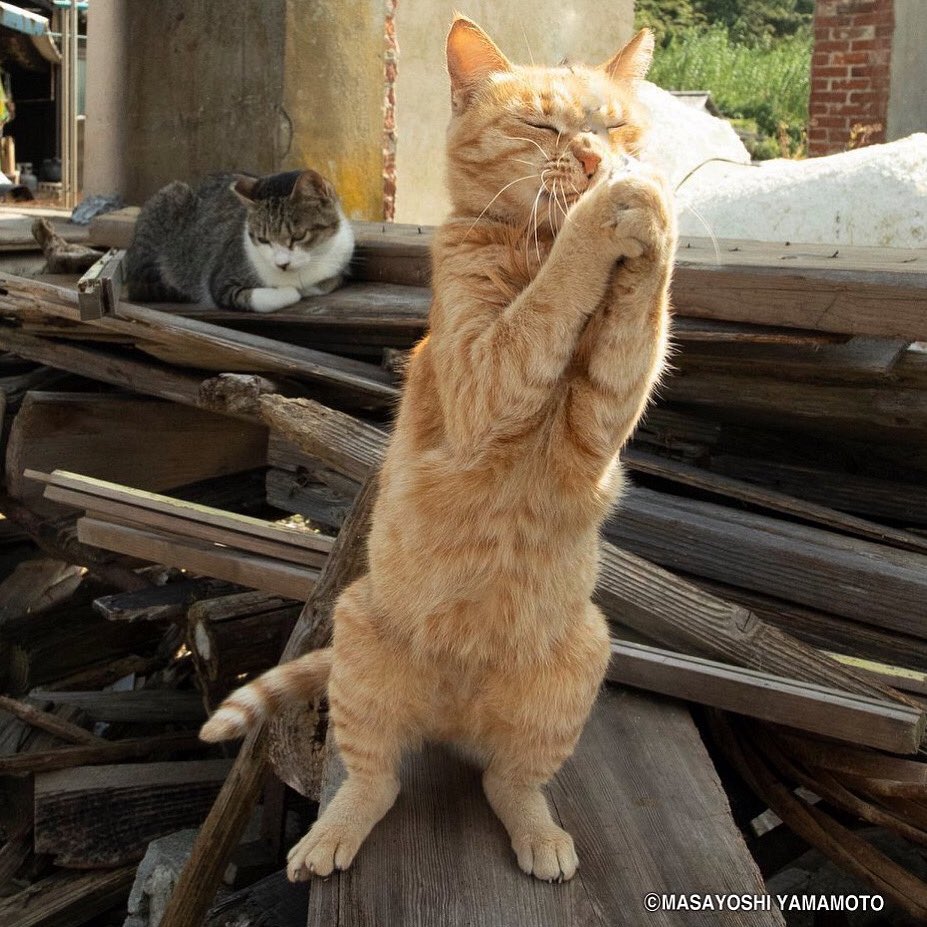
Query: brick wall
850	74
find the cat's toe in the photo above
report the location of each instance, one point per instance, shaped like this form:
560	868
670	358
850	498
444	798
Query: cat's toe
323	850
549	855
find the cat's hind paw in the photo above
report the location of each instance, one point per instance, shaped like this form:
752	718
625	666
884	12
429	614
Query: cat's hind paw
324	849
548	854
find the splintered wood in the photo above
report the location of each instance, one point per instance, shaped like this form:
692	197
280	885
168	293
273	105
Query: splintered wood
192	477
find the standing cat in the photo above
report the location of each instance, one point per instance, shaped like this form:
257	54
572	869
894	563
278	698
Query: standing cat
474	624
240	242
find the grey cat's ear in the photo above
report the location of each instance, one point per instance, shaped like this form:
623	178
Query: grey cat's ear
472	56
312	184
633	61
243	188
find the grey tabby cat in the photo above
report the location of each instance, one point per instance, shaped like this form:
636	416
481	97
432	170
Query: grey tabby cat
240	242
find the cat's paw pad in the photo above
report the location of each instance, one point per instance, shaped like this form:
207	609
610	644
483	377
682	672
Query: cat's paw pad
548	854
324	849
271	298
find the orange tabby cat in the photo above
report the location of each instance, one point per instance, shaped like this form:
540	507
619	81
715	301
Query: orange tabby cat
474	624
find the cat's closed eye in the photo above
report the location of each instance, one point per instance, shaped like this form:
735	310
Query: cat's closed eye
541	125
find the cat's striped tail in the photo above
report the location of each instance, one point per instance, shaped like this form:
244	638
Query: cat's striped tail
300	680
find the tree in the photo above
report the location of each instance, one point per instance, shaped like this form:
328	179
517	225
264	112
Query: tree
752	21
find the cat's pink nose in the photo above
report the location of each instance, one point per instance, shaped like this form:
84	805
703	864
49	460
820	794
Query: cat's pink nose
589	160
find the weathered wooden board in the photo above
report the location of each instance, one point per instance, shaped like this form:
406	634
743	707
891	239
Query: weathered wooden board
107	815
851	290
639	786
255	572
801	705
867	582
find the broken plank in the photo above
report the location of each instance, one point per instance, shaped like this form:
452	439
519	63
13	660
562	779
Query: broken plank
128	439
107	815
159	603
805	706
448	860
249	570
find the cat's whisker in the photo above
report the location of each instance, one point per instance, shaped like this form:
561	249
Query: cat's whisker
708	228
523	161
520	138
493	200
537	200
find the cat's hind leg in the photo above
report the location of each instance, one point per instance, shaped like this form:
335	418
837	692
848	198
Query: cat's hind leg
373	702
536	716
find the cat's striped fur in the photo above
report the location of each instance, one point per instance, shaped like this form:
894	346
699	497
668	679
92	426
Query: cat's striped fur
474	624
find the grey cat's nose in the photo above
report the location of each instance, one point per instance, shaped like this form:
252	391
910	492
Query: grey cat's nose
283	265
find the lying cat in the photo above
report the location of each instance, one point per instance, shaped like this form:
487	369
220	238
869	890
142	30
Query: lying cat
240	242
548	329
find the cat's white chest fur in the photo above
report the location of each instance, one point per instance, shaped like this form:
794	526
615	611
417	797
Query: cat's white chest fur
309	267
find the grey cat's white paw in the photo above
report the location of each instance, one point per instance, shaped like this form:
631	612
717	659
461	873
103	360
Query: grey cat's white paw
271	298
547	854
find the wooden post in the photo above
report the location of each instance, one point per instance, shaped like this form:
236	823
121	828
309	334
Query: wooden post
222	829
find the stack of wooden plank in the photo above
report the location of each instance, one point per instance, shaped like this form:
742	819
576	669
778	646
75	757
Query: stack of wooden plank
768	562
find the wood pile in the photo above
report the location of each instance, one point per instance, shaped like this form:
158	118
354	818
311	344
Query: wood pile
179	482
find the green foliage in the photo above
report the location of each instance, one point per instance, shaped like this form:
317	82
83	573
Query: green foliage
754	56
750	21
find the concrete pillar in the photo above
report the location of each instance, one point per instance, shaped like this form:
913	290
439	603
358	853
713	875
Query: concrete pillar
333	96
543	31
179	88
105	125
907	102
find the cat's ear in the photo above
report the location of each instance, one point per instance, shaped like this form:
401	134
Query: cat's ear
243	187
633	61
312	183
472	56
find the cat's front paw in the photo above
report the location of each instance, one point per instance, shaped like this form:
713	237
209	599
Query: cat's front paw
324	849
635	211
272	298
547	854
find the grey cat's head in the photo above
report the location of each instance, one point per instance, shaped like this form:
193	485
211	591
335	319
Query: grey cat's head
289	215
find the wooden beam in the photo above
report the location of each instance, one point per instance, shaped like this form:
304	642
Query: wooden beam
805	706
799	563
771	499
107	815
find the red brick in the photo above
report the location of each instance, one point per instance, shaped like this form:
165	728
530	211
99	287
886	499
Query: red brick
830	46
864	45
831	71
849	57
856	83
